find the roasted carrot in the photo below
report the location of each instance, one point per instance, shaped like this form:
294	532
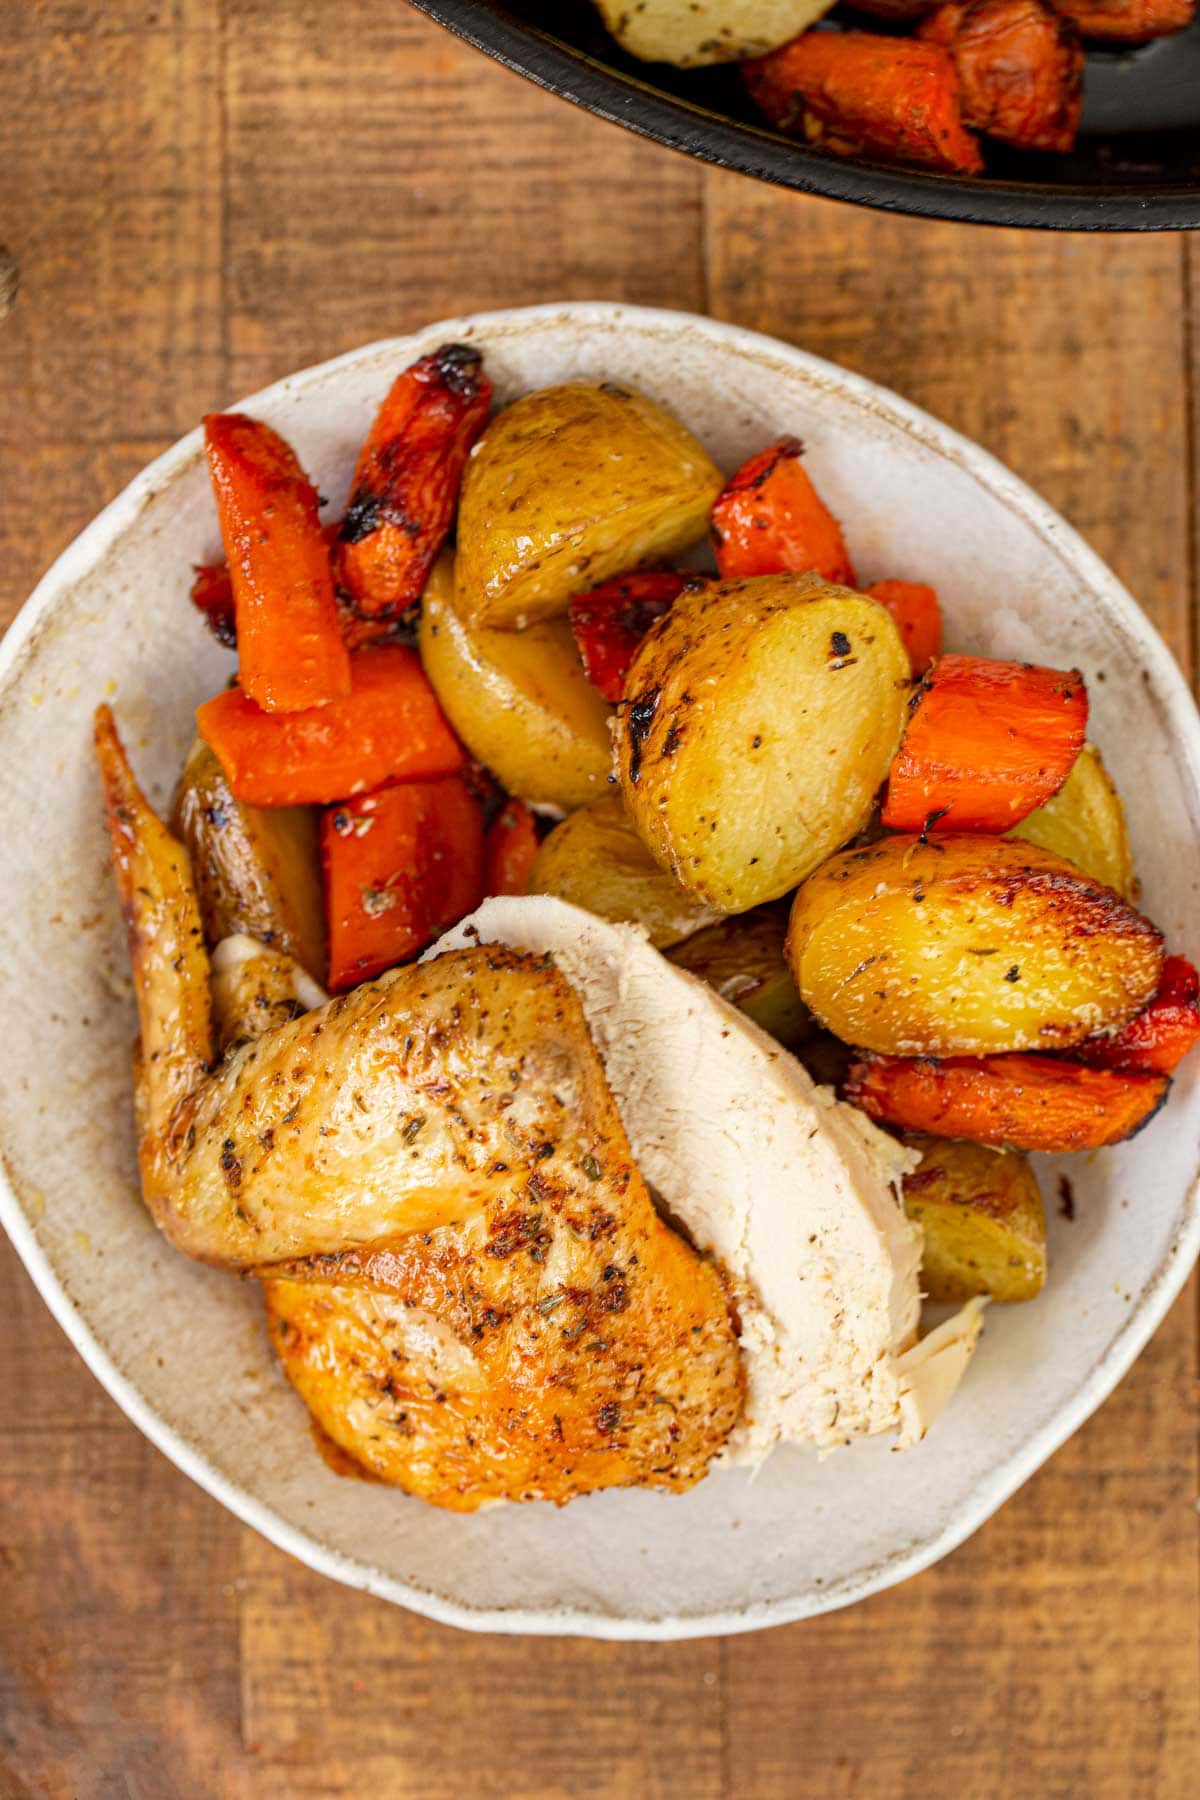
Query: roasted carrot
1128	21
1160	1036
509	849
389	728
212	596
917	615
1023	1102
1020	68
290	651
610	621
408	476
400	865
770	518
986	743
856	94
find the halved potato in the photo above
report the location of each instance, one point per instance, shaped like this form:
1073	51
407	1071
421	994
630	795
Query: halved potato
1085	823
982	1217
595	859
690	32
519	700
568	486
760	720
256	869
743	959
967	946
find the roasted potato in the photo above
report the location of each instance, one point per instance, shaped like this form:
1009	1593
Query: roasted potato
595	859
1085	823
966	946
568	486
743	959
255	868
690	32
982	1216
760	719
519	700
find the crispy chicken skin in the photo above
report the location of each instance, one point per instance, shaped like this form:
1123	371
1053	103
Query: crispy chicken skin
471	1287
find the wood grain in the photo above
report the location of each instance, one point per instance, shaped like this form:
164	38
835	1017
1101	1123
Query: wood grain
203	196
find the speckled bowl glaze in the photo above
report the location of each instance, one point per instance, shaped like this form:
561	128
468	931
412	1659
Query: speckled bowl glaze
184	1350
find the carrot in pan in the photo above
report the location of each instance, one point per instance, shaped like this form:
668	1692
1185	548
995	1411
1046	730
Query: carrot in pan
390	727
986	743
1020	1101
857	94
1128	21
917	615
290	650
610	621
1020	67
400	865
510	846
770	518
408	477
1158	1038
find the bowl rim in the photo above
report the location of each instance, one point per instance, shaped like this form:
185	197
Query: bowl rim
1113	1359
698	131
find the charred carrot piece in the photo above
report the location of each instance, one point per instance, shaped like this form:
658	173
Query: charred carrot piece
400	866
290	651
610	621
770	518
408	476
856	94
986	743
390	727
1019	1101
917	615
1128	21
1160	1036
212	596
510	847
1020	68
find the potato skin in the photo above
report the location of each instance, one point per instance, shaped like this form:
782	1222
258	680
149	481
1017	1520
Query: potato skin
743	959
595	859
255	869
759	721
967	946
691	32
568	486
1085	824
519	700
982	1217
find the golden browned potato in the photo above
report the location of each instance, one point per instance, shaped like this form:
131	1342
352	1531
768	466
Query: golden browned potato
568	486
1085	823
519	700
691	32
743	959
256	869
967	946
595	859
760	719
982	1216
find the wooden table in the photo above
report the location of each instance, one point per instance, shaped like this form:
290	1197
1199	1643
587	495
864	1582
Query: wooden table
201	197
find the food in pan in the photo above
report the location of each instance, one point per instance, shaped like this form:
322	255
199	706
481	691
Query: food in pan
611	866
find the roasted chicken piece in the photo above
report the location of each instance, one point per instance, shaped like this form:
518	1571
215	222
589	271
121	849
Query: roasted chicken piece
432	1178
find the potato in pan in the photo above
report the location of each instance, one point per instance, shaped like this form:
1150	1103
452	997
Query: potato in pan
689	33
982	1218
1085	823
743	959
595	859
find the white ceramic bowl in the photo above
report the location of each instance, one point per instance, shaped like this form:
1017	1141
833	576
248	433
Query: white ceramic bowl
183	1350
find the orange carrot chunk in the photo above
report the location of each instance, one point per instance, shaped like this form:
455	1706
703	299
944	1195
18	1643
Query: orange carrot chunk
1023	1102
1020	67
917	615
290	650
509	849
610	621
1160	1036
408	476
400	865
1128	21
212	596
856	94
986	743
389	728
770	519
